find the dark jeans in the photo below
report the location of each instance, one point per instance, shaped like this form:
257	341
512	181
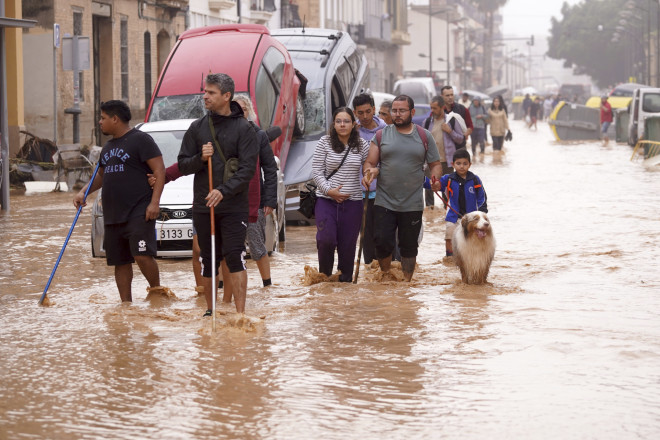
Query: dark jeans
337	227
478	137
498	141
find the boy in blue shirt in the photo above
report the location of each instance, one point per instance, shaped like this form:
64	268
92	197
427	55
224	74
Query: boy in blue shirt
464	191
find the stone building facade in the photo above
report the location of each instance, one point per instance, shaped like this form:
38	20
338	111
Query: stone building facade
129	42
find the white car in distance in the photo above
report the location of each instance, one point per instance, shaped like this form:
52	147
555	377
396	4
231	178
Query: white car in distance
174	229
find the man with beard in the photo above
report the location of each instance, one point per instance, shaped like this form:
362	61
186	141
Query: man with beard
447	93
130	206
397	156
222	135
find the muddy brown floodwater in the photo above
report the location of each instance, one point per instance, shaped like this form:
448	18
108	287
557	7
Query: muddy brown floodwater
564	342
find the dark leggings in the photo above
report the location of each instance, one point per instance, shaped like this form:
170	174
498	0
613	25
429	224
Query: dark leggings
498	141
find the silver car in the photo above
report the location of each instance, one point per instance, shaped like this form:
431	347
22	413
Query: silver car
336	71
174	226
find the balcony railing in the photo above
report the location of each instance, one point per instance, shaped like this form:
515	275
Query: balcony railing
221	4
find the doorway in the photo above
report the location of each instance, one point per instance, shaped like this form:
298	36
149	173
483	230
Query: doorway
103	68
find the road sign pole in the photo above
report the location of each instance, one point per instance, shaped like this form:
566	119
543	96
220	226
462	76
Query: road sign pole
56	45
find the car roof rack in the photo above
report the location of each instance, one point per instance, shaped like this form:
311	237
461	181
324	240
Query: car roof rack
325	52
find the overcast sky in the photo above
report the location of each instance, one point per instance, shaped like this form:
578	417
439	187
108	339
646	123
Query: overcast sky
527	17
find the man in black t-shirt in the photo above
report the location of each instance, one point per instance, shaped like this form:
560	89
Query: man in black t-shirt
130	206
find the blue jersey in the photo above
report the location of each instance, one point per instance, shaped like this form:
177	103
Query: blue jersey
473	190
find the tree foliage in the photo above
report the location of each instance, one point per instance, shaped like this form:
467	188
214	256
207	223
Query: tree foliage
583	39
489	5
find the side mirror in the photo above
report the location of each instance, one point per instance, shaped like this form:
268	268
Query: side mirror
273	133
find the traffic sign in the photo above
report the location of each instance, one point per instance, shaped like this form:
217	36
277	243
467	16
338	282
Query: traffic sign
56	36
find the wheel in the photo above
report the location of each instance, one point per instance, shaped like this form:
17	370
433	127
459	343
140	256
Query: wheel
299	127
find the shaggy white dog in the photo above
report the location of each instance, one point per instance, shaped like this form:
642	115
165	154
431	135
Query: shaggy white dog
474	247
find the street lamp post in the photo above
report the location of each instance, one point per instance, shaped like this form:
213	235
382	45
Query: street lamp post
447	43
430	43
431	14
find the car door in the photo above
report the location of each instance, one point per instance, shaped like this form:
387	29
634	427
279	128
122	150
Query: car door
634	114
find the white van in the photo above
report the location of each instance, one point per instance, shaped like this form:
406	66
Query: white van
421	90
645	103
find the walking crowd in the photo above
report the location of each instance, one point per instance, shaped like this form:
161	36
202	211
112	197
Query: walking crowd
370	172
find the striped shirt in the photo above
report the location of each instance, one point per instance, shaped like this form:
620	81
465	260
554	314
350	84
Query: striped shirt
326	160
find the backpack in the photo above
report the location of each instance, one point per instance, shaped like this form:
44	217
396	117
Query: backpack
420	131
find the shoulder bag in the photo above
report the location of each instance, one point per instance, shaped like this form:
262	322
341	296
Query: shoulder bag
231	165
308	197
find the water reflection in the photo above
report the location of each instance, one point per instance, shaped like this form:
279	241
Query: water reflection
564	339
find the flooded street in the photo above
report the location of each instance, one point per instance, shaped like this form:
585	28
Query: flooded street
563	343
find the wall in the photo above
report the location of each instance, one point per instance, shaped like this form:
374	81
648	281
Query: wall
38	91
38	55
309	12
14	66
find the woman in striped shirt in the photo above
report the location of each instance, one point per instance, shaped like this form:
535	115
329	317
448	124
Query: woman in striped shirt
338	211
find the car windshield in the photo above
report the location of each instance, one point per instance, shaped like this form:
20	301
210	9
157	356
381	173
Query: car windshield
169	143
166	108
314	112
621	92
651	103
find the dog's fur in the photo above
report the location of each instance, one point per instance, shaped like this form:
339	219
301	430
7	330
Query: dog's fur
473	244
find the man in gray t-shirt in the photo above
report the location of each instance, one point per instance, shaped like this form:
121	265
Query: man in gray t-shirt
399	202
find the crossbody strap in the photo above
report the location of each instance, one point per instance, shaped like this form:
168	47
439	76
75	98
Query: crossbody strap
215	140
340	164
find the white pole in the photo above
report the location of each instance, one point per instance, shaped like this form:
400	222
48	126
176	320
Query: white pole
56	44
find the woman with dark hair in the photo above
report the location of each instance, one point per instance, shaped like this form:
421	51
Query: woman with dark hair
501	98
499	124
336	171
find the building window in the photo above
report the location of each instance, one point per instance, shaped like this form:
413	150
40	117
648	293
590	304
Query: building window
123	42
147	69
77	30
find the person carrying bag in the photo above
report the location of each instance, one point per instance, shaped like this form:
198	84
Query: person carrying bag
308	198
339	205
231	165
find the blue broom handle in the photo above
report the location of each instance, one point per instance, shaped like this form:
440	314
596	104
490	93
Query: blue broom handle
91	181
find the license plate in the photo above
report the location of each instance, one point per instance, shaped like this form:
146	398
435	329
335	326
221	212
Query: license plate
174	234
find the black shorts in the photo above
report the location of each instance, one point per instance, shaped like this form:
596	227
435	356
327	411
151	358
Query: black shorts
124	241
386	223
230	231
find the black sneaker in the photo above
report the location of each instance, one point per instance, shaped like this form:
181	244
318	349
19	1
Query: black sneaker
209	312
